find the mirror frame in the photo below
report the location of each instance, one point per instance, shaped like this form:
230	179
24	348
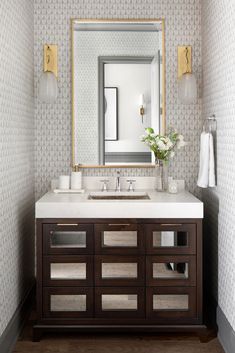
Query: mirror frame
163	122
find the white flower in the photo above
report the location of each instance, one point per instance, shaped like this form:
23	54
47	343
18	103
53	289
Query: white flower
181	142
169	143
161	145
172	154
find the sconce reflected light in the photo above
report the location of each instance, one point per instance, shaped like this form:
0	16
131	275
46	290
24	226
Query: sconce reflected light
187	84
48	87
141	103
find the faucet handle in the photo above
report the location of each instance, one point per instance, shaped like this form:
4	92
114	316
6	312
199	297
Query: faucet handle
104	186
131	184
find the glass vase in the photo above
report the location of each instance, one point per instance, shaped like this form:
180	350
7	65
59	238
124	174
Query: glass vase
161	175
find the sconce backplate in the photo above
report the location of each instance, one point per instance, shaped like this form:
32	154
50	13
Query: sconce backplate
184	60
50	58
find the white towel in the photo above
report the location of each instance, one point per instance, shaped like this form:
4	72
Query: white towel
211	163
206	176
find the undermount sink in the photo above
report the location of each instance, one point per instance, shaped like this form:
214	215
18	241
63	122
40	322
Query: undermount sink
115	195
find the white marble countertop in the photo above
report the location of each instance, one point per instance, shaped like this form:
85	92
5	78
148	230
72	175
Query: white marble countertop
160	205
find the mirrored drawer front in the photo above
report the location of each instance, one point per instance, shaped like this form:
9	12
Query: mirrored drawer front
171	239
67	239
120	302
171	270
170	302
111	238
68	302
120	270
68	270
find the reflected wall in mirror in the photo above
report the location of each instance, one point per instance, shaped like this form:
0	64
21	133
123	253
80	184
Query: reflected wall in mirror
118	67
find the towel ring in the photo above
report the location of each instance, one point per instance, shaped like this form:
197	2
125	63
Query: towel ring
208	121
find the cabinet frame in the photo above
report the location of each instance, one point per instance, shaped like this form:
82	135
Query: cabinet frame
172	315
87	259
93	322
48	229
119	227
174	227
171	282
113	314
48	291
112	282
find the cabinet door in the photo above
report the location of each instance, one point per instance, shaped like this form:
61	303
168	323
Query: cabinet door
119	238
120	270
67	238
67	302
119	302
60	270
171	305
170	238
171	270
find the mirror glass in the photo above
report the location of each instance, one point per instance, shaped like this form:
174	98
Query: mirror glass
118	90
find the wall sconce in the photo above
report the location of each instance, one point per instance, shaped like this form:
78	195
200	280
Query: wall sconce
187	84
48	88
141	103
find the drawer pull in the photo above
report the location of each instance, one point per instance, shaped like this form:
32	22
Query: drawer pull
119	224
171	224
67	224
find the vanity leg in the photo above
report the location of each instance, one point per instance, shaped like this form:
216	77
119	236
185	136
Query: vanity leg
37	334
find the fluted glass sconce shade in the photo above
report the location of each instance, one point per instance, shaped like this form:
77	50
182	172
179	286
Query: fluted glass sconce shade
48	89
187	88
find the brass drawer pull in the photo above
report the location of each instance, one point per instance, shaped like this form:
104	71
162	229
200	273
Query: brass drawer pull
171	224
67	224
119	224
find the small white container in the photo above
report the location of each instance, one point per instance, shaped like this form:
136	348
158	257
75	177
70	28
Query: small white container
76	180
64	182
173	187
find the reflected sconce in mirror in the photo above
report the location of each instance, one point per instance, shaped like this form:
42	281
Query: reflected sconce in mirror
141	103
187	84
48	86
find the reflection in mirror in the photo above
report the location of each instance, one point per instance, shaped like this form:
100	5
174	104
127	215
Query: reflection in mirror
169	239
67	271
170	302
170	270
119	270
119	302
68	239
68	302
119	239
118	90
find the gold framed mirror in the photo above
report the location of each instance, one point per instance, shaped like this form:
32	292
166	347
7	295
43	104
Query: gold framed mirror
118	89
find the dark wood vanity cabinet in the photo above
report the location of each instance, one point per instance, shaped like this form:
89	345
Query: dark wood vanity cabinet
119	274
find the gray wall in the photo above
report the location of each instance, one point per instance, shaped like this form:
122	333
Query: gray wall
16	155
53	122
218	38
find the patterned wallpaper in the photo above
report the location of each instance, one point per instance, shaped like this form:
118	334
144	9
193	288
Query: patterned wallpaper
17	155
86	80
218	37
53	122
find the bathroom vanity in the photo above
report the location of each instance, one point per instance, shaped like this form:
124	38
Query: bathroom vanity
108	265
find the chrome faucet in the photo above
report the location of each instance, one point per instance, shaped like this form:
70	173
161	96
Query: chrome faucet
118	184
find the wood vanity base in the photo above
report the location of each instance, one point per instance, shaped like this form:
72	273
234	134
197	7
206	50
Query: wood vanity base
119	275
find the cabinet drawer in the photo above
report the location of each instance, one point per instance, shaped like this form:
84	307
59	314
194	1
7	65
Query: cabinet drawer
119	302
171	238
171	270
171	304
67	239
119	270
119	238
67	302
60	270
